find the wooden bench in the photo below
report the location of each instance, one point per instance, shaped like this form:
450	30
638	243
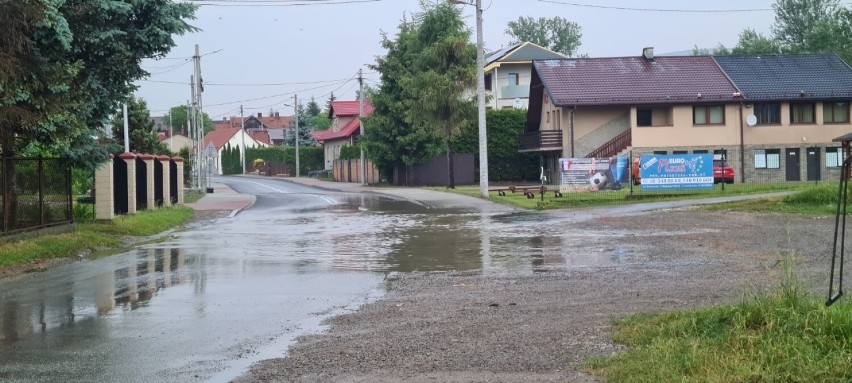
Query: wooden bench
528	191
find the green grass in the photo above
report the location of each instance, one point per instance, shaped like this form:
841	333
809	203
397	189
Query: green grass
786	336
624	196
93	236
192	196
813	200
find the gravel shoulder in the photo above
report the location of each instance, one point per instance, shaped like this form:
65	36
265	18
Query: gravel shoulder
541	327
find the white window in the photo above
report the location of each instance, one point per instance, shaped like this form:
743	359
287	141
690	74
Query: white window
833	157
767	159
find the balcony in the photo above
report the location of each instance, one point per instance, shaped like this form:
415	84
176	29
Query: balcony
542	141
514	91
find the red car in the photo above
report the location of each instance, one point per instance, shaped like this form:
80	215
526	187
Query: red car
722	172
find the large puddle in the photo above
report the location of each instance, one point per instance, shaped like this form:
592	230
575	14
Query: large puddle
210	301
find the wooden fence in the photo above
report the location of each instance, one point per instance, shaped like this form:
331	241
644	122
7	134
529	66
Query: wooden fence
350	171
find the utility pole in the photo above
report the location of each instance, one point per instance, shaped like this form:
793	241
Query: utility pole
296	106
171	130
199	116
361	124
480	96
126	130
243	136
191	131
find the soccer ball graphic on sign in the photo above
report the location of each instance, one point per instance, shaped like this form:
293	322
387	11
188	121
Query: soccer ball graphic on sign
598	180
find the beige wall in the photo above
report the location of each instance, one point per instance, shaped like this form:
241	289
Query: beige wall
684	133
500	78
178	142
787	133
331	151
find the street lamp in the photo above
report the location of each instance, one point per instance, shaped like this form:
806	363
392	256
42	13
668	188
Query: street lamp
480	95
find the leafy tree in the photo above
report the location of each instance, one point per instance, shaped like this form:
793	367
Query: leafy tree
178	117
505	163
72	62
752	42
719	50
796	19
140	129
391	139
322	122
369	91
444	71
556	33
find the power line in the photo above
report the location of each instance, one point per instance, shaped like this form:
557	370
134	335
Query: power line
610	7
251	84
270	3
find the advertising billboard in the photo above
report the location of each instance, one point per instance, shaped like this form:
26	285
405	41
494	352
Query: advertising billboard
676	171
592	174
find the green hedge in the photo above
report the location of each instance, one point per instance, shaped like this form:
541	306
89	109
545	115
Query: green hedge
505	164
310	158
348	152
231	160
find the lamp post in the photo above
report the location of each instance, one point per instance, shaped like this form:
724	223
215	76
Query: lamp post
480	96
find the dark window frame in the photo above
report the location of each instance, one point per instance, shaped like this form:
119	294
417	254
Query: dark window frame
707	108
762	115
796	113
833	107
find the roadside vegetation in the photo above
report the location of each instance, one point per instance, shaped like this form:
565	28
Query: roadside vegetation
784	336
814	200
93	236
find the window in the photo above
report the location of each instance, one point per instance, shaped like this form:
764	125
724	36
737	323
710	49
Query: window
833	157
661	152
488	81
767	159
835	112
802	113
548	117
768	114
700	151
513	79
710	114
644	117
680	152
654	116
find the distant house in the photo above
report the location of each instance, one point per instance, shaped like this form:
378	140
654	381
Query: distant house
508	72
176	142
773	116
344	130
270	129
233	137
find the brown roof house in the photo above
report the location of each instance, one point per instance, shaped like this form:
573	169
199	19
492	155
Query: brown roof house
233	137
344	130
269	129
773	117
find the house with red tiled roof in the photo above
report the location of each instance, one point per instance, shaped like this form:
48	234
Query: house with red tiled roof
274	127
773	117
345	128
234	138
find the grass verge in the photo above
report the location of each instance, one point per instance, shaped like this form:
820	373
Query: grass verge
620	197
784	336
813	200
93	236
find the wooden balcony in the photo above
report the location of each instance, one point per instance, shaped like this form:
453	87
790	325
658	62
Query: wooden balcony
547	140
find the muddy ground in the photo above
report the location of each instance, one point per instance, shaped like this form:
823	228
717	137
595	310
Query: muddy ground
540	328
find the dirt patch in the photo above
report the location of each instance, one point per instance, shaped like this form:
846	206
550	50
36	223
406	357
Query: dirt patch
541	327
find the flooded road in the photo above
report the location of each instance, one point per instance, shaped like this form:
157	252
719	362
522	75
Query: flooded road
210	301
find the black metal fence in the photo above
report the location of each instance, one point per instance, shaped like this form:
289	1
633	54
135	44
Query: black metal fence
749	169
34	193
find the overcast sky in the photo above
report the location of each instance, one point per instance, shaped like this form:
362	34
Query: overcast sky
263	55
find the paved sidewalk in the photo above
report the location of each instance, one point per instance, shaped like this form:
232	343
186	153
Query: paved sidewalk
223	198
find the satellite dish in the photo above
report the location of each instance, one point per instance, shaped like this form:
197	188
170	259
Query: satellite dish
518	104
751	120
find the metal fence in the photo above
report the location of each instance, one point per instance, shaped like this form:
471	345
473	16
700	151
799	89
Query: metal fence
737	170
34	193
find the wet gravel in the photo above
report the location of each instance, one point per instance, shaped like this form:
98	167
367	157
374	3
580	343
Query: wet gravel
542	327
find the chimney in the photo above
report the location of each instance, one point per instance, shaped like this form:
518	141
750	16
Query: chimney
648	53
259	114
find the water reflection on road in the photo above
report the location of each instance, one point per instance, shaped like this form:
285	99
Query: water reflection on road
210	301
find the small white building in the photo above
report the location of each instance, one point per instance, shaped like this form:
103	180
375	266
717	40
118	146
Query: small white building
233	137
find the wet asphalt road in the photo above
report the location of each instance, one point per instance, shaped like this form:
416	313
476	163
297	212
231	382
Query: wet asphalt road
210	301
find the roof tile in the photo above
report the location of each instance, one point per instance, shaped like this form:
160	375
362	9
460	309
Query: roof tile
788	77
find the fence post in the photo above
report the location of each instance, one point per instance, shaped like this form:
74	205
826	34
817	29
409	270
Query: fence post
130	160
179	169
167	191
41	191
104	202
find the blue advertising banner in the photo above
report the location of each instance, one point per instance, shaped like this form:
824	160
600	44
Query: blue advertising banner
592	174
677	171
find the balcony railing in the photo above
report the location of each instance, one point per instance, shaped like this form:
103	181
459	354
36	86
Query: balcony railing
540	141
514	91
